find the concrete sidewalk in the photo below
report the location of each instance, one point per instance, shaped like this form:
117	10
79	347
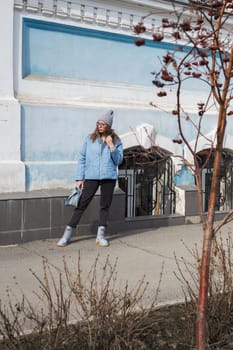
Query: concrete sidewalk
138	253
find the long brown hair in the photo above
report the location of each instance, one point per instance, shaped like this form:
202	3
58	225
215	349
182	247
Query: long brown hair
109	131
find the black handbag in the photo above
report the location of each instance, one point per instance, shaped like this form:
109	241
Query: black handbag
73	198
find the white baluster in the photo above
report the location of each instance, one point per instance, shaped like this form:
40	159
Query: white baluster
18	4
32	5
113	18
101	16
126	20
148	24
62	10
89	14
48	7
136	20
76	11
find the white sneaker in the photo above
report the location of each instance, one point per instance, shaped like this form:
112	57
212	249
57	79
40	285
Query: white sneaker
65	239
100	240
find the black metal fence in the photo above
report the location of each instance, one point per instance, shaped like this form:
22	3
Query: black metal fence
147	179
225	188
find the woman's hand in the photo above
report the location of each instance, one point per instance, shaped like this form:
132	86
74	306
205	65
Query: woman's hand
79	184
109	142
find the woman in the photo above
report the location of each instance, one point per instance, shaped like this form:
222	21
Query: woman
100	156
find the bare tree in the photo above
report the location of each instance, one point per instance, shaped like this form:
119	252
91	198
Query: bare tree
202	32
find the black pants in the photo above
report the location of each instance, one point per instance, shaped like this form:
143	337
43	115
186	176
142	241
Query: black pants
89	190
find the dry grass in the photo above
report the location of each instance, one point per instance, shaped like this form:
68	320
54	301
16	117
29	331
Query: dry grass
94	313
220	297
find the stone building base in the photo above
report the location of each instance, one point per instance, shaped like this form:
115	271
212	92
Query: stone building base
37	215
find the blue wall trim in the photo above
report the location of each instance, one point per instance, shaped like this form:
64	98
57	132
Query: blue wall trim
63	28
55	49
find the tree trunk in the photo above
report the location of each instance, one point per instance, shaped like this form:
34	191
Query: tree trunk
208	229
203	290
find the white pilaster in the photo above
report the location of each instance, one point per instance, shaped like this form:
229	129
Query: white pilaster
12	173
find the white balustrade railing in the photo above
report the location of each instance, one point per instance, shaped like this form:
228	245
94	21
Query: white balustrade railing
79	11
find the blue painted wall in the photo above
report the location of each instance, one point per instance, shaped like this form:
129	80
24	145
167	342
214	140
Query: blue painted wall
184	177
52	136
56	133
72	52
53	133
58	50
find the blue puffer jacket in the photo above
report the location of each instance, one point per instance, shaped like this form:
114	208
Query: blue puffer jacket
97	162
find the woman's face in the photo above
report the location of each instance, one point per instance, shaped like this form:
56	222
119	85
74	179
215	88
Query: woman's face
102	126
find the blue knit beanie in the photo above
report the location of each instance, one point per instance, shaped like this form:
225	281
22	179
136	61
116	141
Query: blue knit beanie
107	118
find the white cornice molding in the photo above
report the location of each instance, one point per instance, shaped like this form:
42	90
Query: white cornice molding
120	15
114	16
